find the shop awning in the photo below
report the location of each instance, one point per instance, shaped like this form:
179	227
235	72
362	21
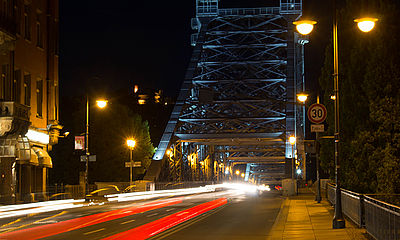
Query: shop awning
34	158
43	157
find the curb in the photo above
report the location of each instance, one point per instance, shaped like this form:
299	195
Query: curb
277	232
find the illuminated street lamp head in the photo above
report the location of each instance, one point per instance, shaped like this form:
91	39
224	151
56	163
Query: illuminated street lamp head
101	103
366	24
305	26
131	143
242	175
292	140
169	153
302	97
237	172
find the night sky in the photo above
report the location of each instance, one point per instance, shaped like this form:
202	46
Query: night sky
148	42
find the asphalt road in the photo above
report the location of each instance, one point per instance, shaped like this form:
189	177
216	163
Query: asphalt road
225	214
246	216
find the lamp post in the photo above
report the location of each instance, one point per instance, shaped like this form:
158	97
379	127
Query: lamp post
292	141
365	25
100	104
302	97
131	144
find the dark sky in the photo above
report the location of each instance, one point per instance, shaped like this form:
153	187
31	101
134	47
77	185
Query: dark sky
147	42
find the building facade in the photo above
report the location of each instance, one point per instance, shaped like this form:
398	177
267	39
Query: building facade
29	100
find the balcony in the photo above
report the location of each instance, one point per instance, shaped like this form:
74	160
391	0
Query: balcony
14	118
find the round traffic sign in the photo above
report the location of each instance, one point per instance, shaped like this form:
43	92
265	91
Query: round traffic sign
317	113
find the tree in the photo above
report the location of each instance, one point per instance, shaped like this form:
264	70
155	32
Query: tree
114	126
369	100
109	128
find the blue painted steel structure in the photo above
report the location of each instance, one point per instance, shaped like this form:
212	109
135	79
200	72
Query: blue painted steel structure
235	109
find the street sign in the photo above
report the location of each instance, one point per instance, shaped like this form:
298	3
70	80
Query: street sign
128	164
316	113
92	158
317	128
133	164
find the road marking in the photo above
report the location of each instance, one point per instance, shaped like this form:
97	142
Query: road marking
98	230
150	229
128	222
170	209
151	215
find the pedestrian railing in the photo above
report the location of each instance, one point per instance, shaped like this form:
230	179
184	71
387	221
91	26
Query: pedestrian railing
380	219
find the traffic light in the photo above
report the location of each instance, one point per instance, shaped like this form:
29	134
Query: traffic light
310	146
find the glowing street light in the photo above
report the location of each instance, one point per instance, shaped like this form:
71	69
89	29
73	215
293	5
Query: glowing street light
131	144
302	97
101	103
366	24
304	27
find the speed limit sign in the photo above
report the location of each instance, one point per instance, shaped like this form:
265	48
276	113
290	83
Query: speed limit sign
317	113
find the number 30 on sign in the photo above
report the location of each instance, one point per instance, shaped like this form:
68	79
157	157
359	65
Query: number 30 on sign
317	113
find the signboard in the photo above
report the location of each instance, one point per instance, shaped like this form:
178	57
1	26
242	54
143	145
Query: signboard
79	142
317	128
92	158
316	113
133	164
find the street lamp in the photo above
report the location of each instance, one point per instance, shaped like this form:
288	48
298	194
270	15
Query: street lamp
302	97
237	174
365	25
292	141
101	104
303	100
304	27
131	144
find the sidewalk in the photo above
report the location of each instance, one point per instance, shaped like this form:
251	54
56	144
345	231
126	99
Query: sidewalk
301	217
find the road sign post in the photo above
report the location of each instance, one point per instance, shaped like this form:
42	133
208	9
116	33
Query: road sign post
317	114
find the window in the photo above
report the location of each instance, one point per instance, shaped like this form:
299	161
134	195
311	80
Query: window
27	20
5	6
17	85
39	30
17	15
27	89
5	82
39	97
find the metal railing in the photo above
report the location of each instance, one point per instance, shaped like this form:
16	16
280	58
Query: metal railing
248	11
380	219
351	203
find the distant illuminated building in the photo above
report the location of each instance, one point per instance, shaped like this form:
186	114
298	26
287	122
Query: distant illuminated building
147	97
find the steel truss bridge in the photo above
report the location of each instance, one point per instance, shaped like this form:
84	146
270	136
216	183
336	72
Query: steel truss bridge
236	108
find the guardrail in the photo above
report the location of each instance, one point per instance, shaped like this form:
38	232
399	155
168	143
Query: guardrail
380	219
